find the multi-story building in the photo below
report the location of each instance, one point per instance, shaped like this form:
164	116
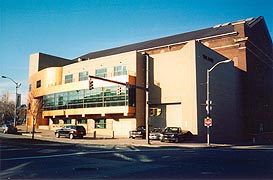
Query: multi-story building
175	74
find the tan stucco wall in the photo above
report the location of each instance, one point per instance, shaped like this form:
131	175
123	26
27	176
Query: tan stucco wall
176	73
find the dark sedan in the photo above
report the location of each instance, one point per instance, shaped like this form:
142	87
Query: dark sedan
8	128
174	134
71	131
140	132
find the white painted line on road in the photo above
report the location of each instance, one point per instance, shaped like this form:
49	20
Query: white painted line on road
12	149
120	151
82	153
44	156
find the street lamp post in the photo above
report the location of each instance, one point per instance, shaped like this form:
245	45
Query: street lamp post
17	85
147	116
208	103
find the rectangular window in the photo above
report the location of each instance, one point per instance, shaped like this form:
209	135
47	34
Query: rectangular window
69	78
38	84
82	121
100	123
120	70
101	72
83	76
67	121
29	87
55	121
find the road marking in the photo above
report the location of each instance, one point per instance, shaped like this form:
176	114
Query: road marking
120	151
44	156
12	149
83	153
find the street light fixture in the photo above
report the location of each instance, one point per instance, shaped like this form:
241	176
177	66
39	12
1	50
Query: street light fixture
17	85
208	103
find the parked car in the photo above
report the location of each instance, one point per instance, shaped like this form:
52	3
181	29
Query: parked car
155	134
71	131
174	134
8	128
140	132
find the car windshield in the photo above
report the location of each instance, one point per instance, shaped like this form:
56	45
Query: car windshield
140	128
156	130
171	129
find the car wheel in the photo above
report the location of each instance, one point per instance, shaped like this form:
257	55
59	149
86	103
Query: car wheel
71	136
57	135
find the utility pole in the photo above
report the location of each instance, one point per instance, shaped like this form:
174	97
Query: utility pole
17	85
147	71
208	102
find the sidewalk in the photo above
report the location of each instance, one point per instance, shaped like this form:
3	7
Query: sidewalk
49	135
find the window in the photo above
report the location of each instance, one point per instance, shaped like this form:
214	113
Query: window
84	98
55	121
38	84
120	70
100	123
82	121
69	78
101	72
67	121
83	76
49	102
29	87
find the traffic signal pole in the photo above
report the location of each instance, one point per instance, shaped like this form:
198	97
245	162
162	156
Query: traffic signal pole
127	84
147	97
208	107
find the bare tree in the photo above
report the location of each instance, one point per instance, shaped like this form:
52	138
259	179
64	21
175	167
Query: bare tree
6	108
35	107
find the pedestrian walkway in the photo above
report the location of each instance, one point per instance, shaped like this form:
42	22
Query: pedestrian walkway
89	139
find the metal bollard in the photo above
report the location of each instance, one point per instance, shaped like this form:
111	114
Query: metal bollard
95	134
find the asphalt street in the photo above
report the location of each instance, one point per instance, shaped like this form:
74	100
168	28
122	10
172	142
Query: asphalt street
23	158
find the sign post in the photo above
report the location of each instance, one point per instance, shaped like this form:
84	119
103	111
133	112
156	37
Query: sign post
208	123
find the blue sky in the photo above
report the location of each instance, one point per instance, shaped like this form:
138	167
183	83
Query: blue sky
70	28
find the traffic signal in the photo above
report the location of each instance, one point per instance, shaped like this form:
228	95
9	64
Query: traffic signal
128	85
119	91
152	111
155	111
91	86
158	111
208	105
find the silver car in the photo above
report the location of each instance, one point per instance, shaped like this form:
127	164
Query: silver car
155	134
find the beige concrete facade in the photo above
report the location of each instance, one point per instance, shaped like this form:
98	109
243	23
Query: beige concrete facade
183	91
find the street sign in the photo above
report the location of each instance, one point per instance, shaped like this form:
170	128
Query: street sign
207	122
